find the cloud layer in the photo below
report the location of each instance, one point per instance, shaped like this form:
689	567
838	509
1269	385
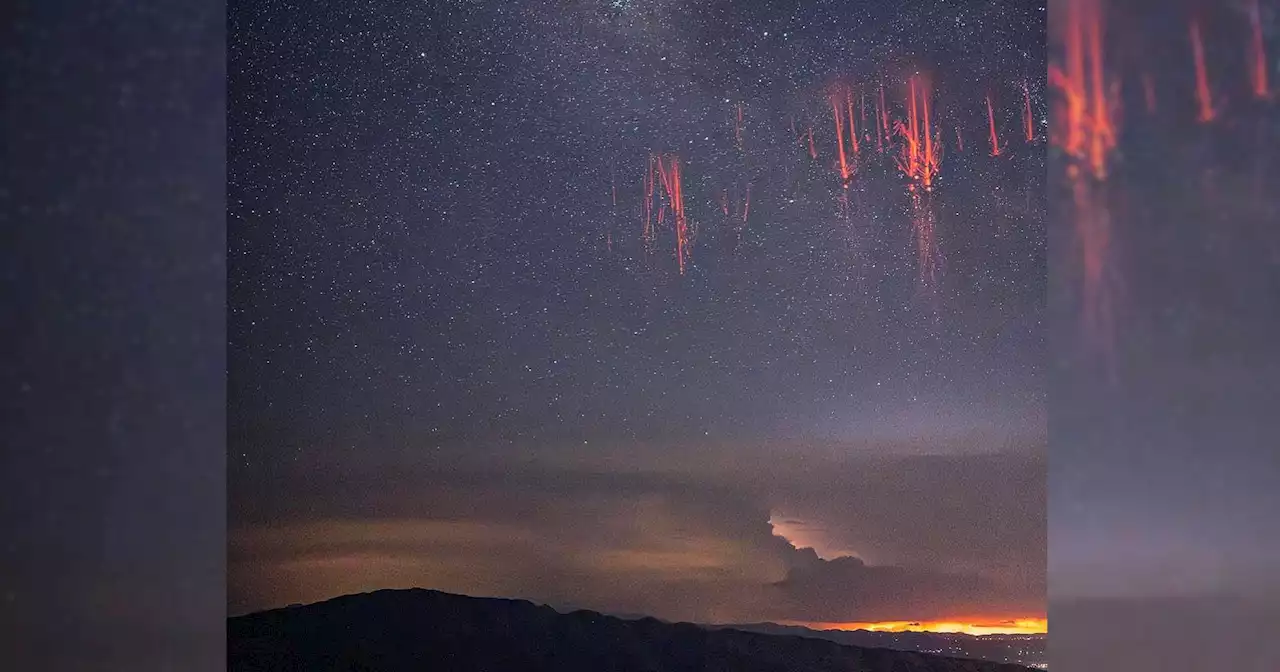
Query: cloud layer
935	537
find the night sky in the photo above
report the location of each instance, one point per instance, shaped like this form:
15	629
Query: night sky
1164	464
113	463
1163	470
1166	460
453	365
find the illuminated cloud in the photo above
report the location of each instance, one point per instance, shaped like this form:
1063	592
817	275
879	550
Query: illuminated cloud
691	542
803	535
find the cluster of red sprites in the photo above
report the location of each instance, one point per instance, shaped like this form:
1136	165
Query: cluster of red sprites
1087	116
914	142
1086	121
1207	108
1086	125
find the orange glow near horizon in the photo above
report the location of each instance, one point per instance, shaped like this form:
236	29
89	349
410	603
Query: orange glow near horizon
968	626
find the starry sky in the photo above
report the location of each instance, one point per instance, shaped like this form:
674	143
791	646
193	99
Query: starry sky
452	363
113	468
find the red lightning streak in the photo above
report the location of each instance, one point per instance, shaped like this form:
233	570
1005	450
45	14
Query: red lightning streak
959	140
1087	133
1258	55
884	115
1204	98
669	172
1069	133
853	129
1149	92
1103	138
813	151
996	149
932	150
919	160
909	159
1089	128
1027	124
922	155
845	173
684	247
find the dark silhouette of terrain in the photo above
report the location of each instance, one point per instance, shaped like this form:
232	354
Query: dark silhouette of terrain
427	631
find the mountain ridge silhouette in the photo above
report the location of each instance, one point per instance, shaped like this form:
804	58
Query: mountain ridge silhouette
419	629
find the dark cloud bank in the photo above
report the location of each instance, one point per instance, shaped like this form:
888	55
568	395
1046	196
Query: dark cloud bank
935	536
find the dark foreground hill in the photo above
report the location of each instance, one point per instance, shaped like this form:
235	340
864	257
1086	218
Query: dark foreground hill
428	631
